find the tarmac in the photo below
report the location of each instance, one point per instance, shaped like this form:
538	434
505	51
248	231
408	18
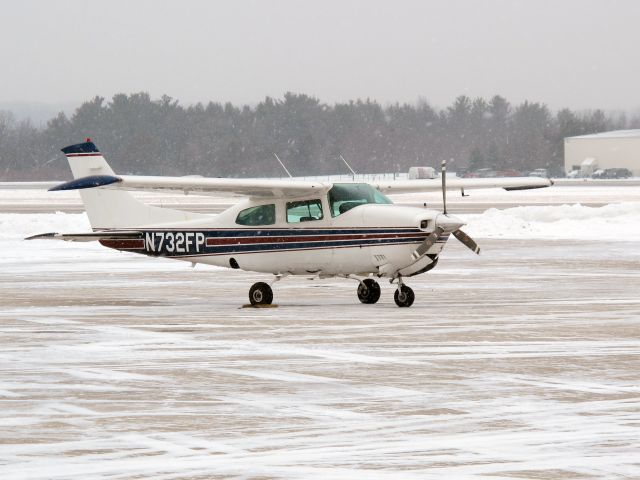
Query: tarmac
520	363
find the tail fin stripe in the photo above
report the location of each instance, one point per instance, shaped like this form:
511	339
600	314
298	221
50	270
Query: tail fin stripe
79	148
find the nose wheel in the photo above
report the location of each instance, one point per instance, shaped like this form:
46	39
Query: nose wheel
369	291
404	296
260	294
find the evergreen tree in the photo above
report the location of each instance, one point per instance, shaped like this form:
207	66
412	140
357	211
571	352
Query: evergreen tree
142	135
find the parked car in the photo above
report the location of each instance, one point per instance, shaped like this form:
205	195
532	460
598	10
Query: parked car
509	172
613	173
540	172
486	173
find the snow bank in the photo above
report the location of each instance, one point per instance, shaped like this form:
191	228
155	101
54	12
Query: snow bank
620	221
20	225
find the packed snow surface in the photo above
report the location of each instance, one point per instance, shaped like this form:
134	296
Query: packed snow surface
619	221
522	362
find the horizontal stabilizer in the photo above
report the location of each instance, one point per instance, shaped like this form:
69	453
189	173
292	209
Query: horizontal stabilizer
87	237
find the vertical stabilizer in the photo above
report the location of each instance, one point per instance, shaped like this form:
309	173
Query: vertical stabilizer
108	209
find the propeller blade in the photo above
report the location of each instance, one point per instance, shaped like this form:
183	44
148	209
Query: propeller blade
427	244
467	241
443	174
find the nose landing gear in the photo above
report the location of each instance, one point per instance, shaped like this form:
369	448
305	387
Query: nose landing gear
404	296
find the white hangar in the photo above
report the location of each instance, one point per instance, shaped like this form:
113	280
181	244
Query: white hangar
617	149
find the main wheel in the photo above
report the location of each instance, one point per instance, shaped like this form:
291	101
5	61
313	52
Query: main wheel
404	296
260	294
369	291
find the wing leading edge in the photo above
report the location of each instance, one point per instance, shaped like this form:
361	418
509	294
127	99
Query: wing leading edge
199	186
432	185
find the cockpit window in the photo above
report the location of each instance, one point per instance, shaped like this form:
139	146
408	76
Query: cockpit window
304	211
260	215
345	196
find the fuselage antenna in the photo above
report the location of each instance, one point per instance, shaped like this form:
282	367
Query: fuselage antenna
348	166
282	164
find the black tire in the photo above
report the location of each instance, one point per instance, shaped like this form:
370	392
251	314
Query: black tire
260	294
404	296
369	291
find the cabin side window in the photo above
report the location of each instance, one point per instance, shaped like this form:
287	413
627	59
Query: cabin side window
304	211
260	215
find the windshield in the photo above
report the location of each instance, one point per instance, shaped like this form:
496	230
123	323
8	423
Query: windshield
345	196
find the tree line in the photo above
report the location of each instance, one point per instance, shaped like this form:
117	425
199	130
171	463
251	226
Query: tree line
141	135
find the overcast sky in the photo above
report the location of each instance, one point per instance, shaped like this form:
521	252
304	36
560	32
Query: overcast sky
575	53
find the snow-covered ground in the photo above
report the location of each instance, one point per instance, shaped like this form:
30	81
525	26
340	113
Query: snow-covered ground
611	222
520	363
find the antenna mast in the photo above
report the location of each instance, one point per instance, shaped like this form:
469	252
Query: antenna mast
348	166
282	165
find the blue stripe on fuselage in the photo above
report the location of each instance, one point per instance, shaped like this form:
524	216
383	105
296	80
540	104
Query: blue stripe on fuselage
282	232
415	237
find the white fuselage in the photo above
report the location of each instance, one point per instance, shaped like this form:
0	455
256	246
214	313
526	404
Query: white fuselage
366	239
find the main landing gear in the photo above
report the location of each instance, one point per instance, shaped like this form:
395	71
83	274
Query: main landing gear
260	294
369	292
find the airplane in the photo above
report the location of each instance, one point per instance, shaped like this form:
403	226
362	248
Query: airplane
282	227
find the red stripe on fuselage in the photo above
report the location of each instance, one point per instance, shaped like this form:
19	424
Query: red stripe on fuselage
215	241
124	244
94	154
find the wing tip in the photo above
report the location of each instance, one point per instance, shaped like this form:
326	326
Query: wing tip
546	183
91	181
42	236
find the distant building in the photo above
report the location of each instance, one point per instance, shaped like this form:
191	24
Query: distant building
421	172
617	149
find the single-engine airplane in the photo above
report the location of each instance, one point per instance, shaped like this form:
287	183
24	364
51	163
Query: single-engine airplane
282	227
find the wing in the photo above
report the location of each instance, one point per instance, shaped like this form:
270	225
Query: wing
431	185
200	186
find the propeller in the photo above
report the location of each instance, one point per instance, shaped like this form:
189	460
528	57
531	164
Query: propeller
467	241
428	243
449	224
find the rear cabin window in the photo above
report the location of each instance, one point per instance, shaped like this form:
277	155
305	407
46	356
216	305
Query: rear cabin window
304	211
345	196
260	215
